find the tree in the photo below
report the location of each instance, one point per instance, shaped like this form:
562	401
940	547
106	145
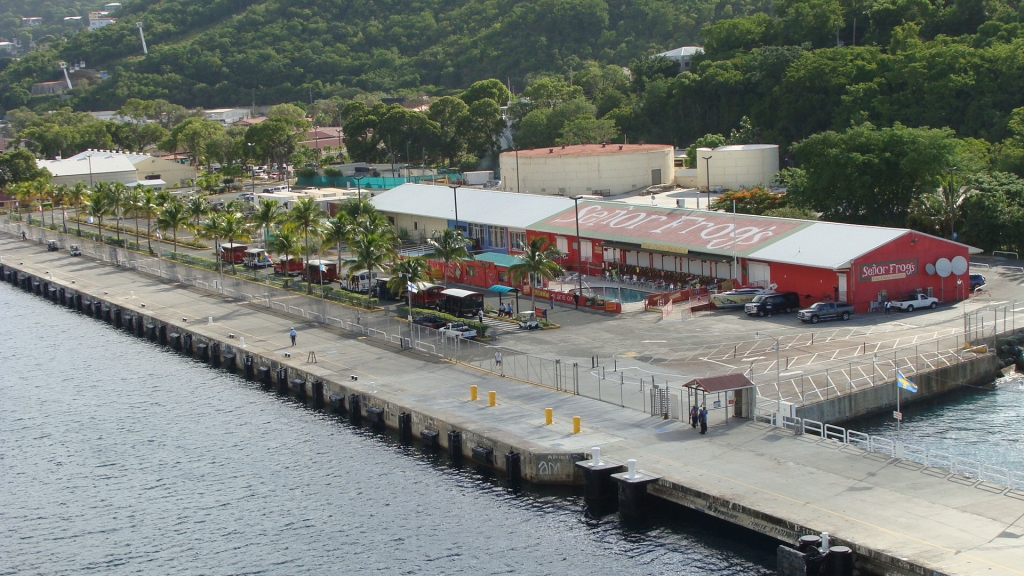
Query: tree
60	196
173	217
119	204
868	175
450	247
408	270
77	195
447	112
192	136
585	129
99	204
148	209
288	243
306	217
486	89
233	225
707	141
274	140
537	261
18	166
134	199
372	245
196	207
756	200
993	211
268	214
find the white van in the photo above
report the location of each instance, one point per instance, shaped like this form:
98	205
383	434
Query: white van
359	281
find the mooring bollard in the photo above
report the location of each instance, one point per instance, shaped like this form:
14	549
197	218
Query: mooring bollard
472	393
599	491
492	398
250	368
375	415
263	375
549	414
576	424
404	426
633	492
354	409
282	381
455	446
430	438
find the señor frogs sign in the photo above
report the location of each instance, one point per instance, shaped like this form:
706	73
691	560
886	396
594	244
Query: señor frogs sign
879	271
697	230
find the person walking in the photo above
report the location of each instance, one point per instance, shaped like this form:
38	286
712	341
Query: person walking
23	236
480	315
694	413
552	297
888	307
497	358
703	418
292	333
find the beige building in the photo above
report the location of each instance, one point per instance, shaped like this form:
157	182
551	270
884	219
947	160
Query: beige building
598	169
732	167
168	173
90	170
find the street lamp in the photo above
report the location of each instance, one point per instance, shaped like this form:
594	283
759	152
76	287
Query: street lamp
778	371
252	171
517	170
316	138
579	253
707	172
359	191
455	196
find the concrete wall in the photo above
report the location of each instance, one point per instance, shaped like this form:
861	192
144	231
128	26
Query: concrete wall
419	227
735	167
176	175
571	175
688	178
974	372
124	177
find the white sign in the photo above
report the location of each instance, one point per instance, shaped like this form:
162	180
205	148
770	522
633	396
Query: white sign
897	415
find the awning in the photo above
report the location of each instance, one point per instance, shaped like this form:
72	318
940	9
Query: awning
146	183
503	289
725	383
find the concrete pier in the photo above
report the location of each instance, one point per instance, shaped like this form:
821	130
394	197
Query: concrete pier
897	516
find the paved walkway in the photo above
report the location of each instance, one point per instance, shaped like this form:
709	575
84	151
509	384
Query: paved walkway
950	524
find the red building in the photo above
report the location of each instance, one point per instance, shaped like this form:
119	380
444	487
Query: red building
818	260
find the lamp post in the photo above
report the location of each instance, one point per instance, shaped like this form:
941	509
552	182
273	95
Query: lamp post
455	196
952	204
579	252
517	171
316	145
778	371
252	171
339	138
359	191
707	172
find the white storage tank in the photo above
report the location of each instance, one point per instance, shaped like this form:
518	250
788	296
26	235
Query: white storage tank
737	166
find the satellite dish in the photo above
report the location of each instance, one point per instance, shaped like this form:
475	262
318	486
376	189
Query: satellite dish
959	265
929	268
943	267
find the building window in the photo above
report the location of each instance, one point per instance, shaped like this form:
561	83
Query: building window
587	253
476	232
562	243
517	240
498	236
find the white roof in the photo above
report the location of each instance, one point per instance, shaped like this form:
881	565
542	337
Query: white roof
133	158
747	147
491	207
458	293
827	244
154	182
682	51
82	166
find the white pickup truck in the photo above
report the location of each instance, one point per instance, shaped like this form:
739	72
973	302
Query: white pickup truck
457	330
919	301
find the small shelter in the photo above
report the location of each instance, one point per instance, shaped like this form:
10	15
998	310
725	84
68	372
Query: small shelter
742	389
502	290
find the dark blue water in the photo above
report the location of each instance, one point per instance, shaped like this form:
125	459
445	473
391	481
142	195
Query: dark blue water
118	457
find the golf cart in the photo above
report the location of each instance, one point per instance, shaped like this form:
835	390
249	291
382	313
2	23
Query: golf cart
528	320
75	250
52	246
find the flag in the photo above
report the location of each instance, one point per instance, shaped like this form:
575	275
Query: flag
411	287
905	383
323	268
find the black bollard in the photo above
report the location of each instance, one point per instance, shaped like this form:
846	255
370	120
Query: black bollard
53	295
62	296
140	326
405	426
78	303
600	493
513	467
263	375
455	446
151	332
174	339
336	403
318	394
299	388
354	409
282	381
250	367
429	439
106	315
215	354
375	416
37	287
840	561
633	495
117	317
97	309
229	362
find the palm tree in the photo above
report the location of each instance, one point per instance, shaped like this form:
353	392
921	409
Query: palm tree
77	196
338	230
408	270
197	207
147	209
450	247
173	217
99	205
134	200
23	193
233	225
267	215
537	261
212	229
40	190
286	242
306	216
372	249
60	196
118	204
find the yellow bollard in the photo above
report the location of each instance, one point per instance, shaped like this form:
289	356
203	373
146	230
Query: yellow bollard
575	424
492	398
472	393
548	415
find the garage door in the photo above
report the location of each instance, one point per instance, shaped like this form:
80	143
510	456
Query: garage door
759	274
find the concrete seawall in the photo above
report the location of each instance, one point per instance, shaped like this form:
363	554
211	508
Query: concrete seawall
976	371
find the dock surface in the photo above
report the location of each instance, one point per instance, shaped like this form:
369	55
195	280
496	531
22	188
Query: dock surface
909	518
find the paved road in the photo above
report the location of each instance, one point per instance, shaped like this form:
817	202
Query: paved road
948	523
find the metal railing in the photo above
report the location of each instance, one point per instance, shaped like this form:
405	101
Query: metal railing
927	457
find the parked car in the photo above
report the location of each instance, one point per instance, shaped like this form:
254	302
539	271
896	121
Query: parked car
768	304
52	246
457	330
430	321
918	301
977	281
825	311
75	250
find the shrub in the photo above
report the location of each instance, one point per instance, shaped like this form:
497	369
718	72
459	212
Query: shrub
332	172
